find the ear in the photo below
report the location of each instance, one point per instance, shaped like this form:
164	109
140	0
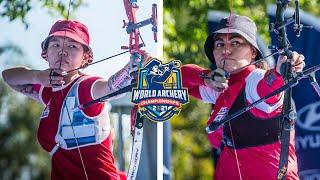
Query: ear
254	52
44	55
85	59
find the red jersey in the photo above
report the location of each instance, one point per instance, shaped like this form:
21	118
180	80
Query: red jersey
98	159
257	162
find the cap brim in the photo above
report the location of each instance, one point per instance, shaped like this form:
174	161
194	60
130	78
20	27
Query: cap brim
69	35
228	31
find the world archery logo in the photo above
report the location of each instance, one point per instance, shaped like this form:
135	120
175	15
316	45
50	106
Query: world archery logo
159	94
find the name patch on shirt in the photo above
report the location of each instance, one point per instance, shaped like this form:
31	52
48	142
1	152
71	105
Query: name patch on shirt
221	114
46	111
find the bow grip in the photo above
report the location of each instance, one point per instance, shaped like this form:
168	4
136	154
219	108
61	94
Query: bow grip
212	127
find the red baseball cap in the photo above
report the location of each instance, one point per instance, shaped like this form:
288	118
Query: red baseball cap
71	29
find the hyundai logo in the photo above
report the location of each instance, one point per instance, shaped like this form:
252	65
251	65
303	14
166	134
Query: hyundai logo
309	117
310	174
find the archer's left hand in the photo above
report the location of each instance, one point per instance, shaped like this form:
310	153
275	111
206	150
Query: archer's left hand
135	62
297	62
146	59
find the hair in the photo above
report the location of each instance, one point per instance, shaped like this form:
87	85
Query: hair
262	64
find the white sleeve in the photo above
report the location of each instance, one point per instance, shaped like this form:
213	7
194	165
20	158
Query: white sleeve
251	91
208	95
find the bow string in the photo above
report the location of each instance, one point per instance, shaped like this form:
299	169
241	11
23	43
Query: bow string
67	109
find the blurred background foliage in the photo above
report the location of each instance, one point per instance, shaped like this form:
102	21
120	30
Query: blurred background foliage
185	30
21	156
19	9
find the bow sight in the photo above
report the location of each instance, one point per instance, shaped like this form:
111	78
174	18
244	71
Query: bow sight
295	18
132	27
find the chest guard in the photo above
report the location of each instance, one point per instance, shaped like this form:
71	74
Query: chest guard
76	129
248	130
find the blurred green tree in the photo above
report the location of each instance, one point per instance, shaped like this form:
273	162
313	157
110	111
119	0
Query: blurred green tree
18	10
21	156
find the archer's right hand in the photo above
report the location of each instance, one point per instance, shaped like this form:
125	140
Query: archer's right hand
51	77
218	80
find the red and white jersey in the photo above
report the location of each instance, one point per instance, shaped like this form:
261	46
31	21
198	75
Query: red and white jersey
258	162
56	121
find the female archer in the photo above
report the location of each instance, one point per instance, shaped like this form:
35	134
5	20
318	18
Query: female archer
250	144
79	142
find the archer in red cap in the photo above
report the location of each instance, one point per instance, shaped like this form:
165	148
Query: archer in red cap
71	29
67	134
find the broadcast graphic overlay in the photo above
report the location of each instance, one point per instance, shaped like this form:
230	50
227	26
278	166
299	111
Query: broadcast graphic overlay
159	93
